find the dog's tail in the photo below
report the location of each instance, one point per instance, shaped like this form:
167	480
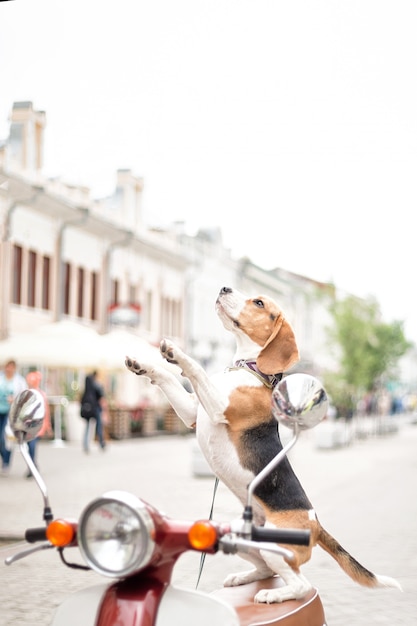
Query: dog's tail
350	566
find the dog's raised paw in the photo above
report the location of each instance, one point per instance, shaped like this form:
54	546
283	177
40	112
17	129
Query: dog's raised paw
167	351
135	367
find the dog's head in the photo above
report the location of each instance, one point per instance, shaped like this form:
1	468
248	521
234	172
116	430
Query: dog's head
260	328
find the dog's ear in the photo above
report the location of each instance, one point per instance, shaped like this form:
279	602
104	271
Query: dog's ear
280	351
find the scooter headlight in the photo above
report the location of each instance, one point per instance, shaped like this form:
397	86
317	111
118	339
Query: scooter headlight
115	534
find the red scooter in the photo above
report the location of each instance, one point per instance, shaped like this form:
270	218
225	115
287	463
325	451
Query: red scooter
126	539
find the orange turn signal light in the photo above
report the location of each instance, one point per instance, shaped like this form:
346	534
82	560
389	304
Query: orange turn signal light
60	533
202	535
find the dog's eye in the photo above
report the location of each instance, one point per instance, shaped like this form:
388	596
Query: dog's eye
259	303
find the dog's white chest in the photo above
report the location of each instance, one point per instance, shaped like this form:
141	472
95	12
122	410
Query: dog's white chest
214	440
221	455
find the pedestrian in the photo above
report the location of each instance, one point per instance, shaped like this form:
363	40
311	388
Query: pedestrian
33	380
91	409
11	383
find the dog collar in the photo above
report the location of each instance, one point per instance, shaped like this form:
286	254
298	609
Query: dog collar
269	380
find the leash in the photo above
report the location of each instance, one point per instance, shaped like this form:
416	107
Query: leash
203	554
269	380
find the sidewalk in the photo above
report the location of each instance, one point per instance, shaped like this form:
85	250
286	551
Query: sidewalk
364	494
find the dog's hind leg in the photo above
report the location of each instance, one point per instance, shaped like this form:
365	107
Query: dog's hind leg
184	403
207	393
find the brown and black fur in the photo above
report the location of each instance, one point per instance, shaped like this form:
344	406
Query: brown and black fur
239	436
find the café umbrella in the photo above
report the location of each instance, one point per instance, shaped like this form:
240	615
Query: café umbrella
58	344
67	344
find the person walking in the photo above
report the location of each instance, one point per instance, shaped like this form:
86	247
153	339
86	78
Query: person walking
33	380
11	383
91	409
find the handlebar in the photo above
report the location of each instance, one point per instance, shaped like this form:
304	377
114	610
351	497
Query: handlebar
32	535
238	536
281	535
258	533
267	539
234	545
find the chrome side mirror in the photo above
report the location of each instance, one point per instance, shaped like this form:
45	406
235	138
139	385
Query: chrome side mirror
26	415
299	401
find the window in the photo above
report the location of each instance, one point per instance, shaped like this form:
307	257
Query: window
171	317
94	298
147	322
46	277
32	259
176	322
80	295
132	294
17	275
67	287
114	295
166	316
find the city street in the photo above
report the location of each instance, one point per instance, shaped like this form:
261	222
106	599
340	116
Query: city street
364	494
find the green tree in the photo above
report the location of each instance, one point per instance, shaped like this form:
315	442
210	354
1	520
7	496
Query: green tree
368	350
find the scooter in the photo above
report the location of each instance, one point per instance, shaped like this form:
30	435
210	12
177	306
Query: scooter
124	538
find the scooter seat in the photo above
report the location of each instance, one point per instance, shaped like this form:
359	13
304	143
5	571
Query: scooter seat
307	611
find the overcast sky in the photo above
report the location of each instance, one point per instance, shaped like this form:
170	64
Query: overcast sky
290	124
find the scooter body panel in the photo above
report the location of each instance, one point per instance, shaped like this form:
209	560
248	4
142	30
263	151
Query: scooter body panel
81	607
176	606
188	608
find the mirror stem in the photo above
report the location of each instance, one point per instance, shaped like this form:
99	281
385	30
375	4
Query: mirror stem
47	512
268	469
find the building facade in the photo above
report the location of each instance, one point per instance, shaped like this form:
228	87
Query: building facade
64	255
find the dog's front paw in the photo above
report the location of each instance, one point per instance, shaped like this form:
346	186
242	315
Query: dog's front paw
297	590
168	351
135	367
272	596
243	578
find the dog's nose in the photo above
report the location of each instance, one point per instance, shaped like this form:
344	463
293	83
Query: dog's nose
225	290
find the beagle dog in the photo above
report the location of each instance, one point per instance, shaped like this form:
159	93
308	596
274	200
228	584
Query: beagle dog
239	436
